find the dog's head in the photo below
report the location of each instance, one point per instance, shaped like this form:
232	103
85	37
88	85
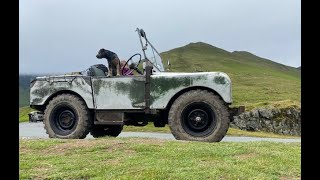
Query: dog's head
101	53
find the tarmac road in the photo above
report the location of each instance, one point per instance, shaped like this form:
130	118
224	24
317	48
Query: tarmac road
35	130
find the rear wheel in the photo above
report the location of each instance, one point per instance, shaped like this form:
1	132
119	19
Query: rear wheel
101	131
198	115
67	117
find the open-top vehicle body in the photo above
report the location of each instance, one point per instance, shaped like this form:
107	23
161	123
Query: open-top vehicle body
194	105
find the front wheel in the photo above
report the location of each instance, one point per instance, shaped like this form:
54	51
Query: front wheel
199	115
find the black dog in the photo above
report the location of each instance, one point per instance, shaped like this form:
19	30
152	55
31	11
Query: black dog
113	61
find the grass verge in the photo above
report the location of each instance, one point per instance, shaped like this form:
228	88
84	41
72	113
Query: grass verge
144	158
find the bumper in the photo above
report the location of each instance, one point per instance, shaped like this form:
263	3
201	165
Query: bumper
36	116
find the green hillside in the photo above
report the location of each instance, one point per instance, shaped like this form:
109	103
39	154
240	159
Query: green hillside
255	80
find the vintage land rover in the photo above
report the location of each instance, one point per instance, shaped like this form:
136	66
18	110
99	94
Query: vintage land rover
194	105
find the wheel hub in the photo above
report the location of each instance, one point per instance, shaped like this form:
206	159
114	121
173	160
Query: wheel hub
198	119
66	119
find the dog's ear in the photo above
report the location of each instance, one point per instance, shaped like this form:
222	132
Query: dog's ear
101	50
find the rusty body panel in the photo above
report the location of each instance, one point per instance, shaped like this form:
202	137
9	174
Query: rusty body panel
128	92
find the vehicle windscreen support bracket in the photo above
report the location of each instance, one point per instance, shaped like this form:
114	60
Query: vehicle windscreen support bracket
147	90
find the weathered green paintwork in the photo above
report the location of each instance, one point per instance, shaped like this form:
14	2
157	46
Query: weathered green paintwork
118	92
128	92
165	85
45	87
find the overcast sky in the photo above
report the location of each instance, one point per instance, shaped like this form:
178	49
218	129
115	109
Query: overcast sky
58	36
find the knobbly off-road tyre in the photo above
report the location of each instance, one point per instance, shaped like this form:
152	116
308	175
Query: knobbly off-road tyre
67	117
199	115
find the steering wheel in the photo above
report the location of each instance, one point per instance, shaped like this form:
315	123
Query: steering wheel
132	66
